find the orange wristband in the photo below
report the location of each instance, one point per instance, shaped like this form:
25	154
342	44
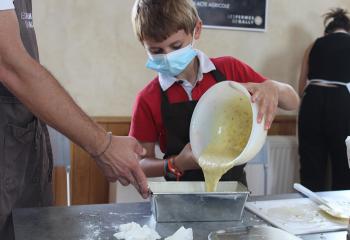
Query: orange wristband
173	169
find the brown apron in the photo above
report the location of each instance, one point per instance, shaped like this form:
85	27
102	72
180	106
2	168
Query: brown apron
25	151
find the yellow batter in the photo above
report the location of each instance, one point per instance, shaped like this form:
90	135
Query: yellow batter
230	135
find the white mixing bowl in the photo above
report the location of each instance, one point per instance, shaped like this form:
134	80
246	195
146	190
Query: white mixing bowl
208	108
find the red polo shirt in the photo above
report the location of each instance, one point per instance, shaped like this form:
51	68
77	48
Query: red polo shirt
147	123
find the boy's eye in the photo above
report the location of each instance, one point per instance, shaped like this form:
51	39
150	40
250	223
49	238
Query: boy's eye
172	47
155	50
177	46
158	51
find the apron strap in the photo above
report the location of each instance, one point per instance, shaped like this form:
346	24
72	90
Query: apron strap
164	97
327	82
219	76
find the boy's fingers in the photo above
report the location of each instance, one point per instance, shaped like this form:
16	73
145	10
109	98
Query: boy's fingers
262	111
268	121
255	97
250	87
270	113
260	117
270	116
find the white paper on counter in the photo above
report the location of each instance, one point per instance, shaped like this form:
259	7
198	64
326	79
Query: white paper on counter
297	216
132	230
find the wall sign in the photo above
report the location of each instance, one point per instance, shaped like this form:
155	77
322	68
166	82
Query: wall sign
233	14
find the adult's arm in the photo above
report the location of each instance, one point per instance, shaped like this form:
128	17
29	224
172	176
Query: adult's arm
35	87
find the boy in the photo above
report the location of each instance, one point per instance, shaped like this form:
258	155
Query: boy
163	109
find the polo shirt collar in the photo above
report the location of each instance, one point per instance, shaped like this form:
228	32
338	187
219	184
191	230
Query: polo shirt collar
205	66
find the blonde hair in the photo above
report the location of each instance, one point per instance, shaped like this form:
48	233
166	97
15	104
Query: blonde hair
158	19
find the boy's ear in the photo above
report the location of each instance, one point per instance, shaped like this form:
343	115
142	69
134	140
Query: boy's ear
198	29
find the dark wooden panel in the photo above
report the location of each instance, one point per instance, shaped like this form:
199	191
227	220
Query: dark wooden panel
80	179
99	186
59	186
283	125
120	129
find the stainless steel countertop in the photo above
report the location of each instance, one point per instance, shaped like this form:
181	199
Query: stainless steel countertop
99	222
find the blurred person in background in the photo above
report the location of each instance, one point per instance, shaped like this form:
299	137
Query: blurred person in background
324	116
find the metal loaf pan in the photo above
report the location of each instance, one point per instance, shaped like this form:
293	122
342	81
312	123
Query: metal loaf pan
188	201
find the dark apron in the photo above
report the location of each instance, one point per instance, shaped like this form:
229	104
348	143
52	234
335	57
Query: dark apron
25	152
177	119
323	126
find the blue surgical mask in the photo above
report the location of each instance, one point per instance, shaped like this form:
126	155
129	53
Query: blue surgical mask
172	63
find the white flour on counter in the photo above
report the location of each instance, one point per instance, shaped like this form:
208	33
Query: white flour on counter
133	231
182	234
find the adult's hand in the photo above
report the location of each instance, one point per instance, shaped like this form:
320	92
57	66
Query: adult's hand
121	162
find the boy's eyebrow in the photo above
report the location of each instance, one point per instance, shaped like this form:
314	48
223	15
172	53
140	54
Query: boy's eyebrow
171	44
175	42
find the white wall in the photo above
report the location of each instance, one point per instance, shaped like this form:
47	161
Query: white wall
89	45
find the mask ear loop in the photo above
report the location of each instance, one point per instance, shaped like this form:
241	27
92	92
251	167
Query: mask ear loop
193	40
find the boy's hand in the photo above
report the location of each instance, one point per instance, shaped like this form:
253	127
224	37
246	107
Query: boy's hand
266	95
186	160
